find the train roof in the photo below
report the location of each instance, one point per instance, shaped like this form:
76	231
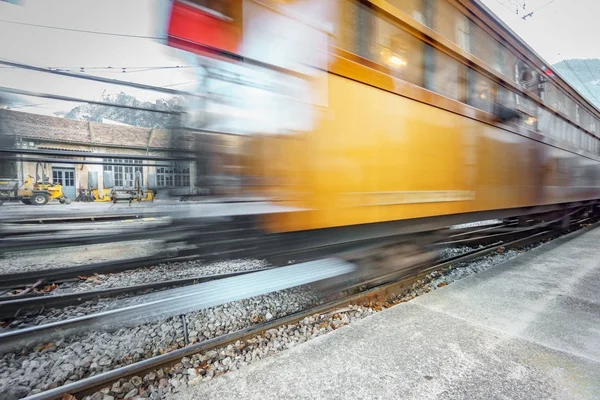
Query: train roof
487	16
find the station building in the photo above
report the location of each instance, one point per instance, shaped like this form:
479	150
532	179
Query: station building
34	131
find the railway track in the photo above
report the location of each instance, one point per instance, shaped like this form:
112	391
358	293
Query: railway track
11	306
392	284
18	280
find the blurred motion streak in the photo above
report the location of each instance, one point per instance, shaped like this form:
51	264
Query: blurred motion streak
321	123
169	303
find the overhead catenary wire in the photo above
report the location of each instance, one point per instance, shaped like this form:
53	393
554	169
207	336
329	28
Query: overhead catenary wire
97	79
530	14
82	30
581	81
44	104
590	70
79	100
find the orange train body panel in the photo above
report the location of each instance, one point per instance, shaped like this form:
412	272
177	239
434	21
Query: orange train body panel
378	156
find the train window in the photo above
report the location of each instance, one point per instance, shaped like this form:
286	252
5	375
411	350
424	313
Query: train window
446	75
414	8
398	50
583	117
528	78
506	97
561	102
353	19
371	35
484	46
481	91
551	95
570	108
545	121
529	111
556	127
507	62
576	136
563	128
445	20
585	144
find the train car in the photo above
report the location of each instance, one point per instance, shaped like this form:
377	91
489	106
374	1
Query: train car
381	117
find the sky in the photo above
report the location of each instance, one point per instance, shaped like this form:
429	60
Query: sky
71	50
559	29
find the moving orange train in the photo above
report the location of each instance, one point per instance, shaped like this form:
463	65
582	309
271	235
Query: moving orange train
381	117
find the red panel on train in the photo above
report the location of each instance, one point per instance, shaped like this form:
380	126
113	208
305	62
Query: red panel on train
193	29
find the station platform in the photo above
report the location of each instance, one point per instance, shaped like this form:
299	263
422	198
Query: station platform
528	328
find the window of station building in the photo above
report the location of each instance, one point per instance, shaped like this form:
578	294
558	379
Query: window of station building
124	175
481	91
445	75
176	174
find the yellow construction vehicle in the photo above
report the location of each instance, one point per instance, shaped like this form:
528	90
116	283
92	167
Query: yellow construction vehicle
36	192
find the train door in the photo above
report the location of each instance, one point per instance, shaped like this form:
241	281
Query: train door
66	178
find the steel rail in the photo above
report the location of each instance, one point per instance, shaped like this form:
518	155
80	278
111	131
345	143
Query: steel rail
12	281
11	306
88	386
180	301
91	218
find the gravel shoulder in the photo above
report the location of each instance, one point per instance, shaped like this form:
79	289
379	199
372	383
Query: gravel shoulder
42	259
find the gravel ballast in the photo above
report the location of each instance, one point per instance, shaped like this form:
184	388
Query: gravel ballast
55	364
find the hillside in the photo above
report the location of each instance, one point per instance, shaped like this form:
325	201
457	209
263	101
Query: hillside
91	112
583	75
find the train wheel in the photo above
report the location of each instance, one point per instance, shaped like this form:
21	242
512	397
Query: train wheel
38	199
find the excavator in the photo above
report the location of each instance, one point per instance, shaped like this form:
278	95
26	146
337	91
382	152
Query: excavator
32	191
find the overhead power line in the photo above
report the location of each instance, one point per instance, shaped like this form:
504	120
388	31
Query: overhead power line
81	30
582	83
86	101
79	100
530	14
589	69
97	79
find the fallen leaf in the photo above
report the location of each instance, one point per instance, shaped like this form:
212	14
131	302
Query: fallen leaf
67	396
46	346
49	288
